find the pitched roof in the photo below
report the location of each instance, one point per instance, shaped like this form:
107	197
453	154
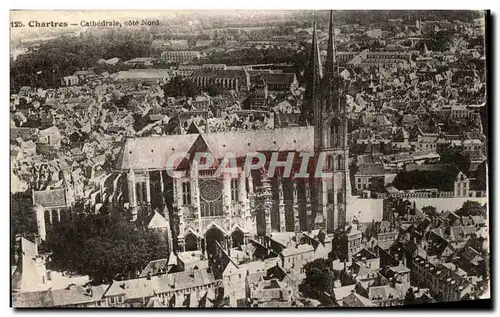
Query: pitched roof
144	74
376	169
155	267
143	287
302	248
356	300
158	221
71	295
280	78
383	293
342	292
153	152
155	302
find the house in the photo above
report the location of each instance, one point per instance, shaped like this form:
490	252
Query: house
369	174
294	257
398	276
365	262
72	296
50	136
182	289
351	240
426	142
473	148
384	296
234	280
269	293
444	284
386	233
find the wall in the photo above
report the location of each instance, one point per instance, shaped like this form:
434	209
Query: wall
444	204
364	209
368	209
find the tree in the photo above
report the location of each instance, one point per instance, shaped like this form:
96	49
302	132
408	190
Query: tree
63	56
431	211
180	87
319	281
409	297
23	218
442	180
377	185
104	246
471	208
456	158
212	90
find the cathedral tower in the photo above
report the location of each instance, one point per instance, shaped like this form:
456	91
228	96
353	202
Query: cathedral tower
313	76
330	135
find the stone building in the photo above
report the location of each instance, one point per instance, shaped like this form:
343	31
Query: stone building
206	206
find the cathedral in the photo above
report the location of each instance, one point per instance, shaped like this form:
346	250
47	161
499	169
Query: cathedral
203	206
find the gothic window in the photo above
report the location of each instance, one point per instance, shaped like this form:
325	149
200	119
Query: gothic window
330	197
234	189
331	163
340	197
211	198
336	133
186	193
140	192
339	162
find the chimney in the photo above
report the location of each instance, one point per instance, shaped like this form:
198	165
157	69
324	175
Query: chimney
149	276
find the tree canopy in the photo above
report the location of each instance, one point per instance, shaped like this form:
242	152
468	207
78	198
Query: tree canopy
442	180
23	219
44	66
471	208
430	211
105	247
319	281
180	87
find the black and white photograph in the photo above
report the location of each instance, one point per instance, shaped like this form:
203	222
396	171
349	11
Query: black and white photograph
249	159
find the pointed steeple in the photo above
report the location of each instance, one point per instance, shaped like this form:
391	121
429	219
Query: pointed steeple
315	57
330	52
313	77
331	80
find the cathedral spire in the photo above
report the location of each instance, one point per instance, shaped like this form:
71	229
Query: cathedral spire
331	81
313	76
330	53
315	58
